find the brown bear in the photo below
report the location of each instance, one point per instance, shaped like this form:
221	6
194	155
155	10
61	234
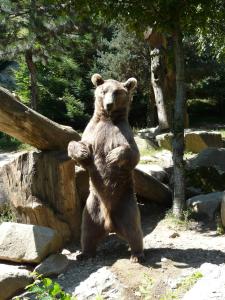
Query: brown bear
109	153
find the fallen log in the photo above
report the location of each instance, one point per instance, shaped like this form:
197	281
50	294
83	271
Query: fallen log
30	127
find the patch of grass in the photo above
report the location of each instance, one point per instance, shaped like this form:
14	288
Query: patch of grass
7	215
183	287
180	224
150	151
220	230
144	290
189	154
8	143
99	297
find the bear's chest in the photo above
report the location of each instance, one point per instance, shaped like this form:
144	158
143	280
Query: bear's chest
107	137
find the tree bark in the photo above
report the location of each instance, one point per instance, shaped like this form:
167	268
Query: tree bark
41	187
178	129
157	79
33	79
158	74
30	127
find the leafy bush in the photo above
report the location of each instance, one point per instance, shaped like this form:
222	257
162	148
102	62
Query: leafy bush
7	215
47	289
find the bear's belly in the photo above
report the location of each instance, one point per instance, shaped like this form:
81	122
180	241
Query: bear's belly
111	181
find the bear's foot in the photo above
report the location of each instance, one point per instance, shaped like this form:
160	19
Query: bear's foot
137	258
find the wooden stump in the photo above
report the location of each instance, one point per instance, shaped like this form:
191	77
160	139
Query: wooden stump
41	186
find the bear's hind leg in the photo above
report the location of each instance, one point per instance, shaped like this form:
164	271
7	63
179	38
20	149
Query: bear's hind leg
92	230
128	226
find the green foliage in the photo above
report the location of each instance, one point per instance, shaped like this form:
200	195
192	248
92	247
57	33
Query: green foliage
208	179
182	223
8	143
6	74
124	54
7	214
38	25
47	289
145	289
22	81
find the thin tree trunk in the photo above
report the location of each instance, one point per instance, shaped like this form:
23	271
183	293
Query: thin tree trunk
33	79
157	44
157	79
152	117
178	129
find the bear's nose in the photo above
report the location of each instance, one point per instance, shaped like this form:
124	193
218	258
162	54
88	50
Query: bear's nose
109	106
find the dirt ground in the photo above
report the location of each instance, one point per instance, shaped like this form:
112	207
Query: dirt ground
172	251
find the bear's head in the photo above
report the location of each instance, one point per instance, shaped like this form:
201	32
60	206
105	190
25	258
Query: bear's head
112	97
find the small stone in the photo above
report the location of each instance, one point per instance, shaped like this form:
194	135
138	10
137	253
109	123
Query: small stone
174	235
66	252
164	259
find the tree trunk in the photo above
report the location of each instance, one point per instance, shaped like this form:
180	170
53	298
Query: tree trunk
33	79
157	79
158	74
152	119
30	127
178	130
41	187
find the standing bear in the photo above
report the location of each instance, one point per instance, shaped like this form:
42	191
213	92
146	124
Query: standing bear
109	153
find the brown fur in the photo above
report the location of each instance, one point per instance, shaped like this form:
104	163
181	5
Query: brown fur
109	153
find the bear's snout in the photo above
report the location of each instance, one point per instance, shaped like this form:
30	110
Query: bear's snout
108	102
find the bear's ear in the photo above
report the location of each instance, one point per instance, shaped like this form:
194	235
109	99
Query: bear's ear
131	83
97	80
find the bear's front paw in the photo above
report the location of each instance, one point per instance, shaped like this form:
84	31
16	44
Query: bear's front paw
79	152
116	157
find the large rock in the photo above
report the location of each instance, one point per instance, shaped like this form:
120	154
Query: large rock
55	264
195	141
164	140
12	280
206	204
210	286
154	170
27	243
3	196
144	144
150	188
102	282
41	186
206	171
